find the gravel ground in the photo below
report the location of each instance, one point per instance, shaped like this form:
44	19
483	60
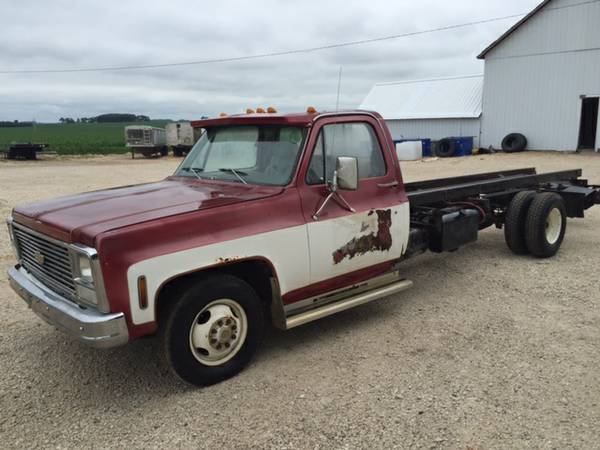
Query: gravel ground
488	350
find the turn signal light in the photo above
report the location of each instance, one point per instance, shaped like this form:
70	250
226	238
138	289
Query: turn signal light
311	110
142	292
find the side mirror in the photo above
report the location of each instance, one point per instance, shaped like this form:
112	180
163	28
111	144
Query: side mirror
347	173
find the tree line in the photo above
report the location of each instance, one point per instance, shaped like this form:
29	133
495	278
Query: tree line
14	124
107	118
102	118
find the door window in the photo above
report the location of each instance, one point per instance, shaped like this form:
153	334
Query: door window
356	139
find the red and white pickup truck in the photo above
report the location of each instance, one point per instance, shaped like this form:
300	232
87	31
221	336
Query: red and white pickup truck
270	218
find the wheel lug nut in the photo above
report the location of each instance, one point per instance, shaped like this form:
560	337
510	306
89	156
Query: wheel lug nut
220	323
232	336
234	327
227	345
213	331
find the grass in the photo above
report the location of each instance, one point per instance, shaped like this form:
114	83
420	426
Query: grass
75	138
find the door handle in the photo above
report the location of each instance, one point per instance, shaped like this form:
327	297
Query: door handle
393	184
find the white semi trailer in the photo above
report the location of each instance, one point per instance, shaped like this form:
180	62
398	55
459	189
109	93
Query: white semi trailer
181	137
147	140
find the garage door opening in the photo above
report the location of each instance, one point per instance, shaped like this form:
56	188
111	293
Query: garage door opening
589	123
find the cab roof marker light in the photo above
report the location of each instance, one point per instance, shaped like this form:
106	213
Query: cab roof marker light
271	110
249	111
311	110
260	111
223	114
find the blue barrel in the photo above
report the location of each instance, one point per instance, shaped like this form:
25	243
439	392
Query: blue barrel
464	146
426	147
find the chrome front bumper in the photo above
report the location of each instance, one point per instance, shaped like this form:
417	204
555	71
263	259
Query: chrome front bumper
87	325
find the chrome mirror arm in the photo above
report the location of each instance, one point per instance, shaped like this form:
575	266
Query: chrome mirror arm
333	195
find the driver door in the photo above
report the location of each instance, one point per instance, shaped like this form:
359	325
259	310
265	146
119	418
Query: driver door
348	246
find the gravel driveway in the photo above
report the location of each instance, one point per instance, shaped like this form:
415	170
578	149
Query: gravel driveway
488	350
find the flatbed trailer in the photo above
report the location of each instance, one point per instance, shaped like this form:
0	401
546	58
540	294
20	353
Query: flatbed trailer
27	151
447	213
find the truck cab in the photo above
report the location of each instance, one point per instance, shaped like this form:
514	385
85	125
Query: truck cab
277	216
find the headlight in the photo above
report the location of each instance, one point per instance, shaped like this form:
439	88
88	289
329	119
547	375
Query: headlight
83	276
85	270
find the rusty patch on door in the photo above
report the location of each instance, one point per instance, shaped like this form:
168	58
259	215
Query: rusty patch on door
373	242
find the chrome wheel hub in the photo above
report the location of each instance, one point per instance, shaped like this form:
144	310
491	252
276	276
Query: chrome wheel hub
218	332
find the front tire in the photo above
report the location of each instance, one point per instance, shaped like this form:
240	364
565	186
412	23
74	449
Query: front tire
546	224
213	330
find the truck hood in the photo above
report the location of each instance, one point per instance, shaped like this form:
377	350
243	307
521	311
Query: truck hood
80	218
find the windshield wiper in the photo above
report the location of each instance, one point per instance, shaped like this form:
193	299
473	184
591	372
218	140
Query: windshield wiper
194	170
237	173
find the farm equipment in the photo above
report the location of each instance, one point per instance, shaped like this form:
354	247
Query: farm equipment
146	140
181	137
26	151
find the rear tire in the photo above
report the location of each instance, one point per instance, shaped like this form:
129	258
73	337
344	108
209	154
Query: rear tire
546	225
213	330
514	223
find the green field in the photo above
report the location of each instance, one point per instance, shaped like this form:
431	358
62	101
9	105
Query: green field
74	138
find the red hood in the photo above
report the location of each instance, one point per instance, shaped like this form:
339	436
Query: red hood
80	218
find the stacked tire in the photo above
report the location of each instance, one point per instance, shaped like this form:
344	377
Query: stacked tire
535	223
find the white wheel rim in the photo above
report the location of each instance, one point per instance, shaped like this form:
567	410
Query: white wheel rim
553	226
218	332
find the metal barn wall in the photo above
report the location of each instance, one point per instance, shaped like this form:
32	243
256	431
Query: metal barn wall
535	78
434	129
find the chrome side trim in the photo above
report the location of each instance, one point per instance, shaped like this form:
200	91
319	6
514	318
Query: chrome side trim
87	325
358	112
351	302
341	293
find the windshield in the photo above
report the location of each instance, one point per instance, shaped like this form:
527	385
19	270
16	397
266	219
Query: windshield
265	155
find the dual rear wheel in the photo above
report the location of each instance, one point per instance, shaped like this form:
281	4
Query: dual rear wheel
535	223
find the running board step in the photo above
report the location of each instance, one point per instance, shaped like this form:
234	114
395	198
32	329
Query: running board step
347	303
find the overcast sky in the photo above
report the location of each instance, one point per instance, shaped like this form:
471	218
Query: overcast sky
66	34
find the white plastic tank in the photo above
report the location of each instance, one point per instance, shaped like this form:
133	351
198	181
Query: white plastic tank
409	151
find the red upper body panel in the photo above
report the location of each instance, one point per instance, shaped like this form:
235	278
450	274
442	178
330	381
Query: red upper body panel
81	217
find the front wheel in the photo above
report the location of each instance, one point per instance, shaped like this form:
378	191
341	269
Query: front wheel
213	330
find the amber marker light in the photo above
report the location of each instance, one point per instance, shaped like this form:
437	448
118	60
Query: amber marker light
311	110
142	292
249	111
223	115
260	110
271	110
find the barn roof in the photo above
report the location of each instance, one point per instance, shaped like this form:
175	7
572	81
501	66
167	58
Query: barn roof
493	45
442	98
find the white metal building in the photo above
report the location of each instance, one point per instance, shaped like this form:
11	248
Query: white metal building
542	78
429	109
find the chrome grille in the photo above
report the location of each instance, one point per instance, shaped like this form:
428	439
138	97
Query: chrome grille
48	260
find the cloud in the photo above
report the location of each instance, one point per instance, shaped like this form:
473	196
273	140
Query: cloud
63	34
